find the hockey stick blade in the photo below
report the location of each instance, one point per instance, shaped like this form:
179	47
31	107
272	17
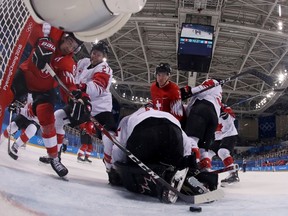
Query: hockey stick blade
209	197
157	178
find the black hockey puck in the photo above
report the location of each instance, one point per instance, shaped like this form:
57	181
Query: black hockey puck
195	209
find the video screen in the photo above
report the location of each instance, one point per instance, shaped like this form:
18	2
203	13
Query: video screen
196	39
197	31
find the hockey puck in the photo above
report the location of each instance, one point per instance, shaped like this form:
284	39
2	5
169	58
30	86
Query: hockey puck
195	209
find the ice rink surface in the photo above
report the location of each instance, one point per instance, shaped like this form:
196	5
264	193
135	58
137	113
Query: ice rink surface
30	188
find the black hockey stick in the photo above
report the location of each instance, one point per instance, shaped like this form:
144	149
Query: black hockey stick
15	157
235	167
266	78
208	197
9	133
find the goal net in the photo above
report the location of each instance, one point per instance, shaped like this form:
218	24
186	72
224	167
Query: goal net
15	27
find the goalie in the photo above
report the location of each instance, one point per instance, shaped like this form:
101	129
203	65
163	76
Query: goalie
155	138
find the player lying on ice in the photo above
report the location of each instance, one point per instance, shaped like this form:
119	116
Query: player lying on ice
156	138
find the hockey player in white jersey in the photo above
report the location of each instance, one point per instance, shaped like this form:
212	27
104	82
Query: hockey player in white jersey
226	136
202	111
93	76
25	120
155	138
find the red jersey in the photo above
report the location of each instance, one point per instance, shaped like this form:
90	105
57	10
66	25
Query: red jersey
167	99
64	66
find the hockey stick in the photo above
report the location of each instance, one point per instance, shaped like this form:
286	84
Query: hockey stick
266	78
214	195
9	133
235	167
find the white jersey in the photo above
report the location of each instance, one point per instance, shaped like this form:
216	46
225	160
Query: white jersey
98	80
213	95
26	111
128	123
226	128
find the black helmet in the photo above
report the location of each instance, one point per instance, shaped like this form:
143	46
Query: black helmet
163	67
101	46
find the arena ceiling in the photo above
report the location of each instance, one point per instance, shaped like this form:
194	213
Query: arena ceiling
247	35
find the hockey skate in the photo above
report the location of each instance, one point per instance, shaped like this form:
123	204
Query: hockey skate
45	159
87	159
58	167
14	151
80	159
232	178
193	186
176	181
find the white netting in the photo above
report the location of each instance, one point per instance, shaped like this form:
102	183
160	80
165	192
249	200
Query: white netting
13	16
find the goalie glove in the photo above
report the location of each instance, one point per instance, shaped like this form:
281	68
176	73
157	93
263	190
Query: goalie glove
43	53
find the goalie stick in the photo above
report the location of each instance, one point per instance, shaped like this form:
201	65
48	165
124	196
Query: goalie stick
266	78
197	199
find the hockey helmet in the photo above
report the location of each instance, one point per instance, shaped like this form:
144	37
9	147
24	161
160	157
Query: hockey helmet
162	68
79	42
101	46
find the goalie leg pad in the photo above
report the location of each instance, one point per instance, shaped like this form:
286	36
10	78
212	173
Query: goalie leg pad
136	180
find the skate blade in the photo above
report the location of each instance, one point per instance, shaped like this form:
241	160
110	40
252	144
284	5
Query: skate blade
225	184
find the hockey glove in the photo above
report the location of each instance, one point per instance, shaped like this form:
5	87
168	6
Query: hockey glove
81	108
43	52
77	94
186	92
14	108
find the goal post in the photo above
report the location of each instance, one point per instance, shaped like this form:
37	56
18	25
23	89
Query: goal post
15	28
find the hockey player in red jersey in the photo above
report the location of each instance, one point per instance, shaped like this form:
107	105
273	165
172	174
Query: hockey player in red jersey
165	94
93	76
203	111
54	47
225	140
